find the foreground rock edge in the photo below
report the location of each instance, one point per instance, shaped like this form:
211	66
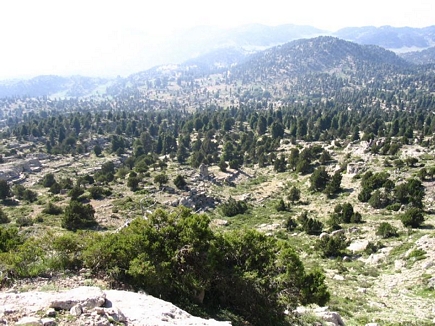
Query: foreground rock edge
92	306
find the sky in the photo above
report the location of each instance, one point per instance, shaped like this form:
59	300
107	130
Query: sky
105	38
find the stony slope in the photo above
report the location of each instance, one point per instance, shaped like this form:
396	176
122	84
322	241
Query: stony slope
92	306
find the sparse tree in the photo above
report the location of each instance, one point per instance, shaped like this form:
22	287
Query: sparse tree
179	182
319	179
78	216
294	194
5	190
413	217
161	179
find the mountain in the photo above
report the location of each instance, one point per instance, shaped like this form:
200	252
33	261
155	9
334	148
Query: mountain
420	57
318	65
318	68
254	37
50	85
323	54
397	38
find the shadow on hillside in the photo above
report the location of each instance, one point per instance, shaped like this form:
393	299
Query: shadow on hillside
348	190
10	202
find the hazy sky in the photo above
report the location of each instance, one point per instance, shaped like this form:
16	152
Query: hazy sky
100	37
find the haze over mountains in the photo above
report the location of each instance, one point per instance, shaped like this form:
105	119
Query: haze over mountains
206	50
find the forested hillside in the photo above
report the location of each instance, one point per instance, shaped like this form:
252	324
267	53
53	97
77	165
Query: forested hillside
303	174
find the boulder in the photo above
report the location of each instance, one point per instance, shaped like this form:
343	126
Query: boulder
48	321
76	310
142	309
358	245
115	314
50	312
88	297
332	317
29	321
336	232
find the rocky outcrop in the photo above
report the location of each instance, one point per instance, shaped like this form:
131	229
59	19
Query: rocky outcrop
87	297
330	318
92	306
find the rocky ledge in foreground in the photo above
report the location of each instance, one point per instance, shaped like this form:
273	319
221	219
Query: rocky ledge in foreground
93	306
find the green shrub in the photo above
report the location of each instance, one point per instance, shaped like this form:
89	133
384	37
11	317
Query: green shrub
55	188
78	216
373	247
52	209
48	180
282	206
294	194
332	246
9	239
310	225
356	218
386	230
24	221
290	224
417	254
394	207
75	192
233	207
3	217
413	217
179	182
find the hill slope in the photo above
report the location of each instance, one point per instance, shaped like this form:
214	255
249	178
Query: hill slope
390	37
420	57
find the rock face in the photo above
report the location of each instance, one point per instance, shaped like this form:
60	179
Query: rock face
92	306
87	297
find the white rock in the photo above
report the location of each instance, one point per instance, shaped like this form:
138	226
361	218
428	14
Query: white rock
334	233
346	259
358	245
338	277
331	317
76	310
399	264
142	309
89	297
29	321
48	321
115	314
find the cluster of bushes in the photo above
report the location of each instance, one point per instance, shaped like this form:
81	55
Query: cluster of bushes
332	246
344	213
321	181
380	192
301	161
178	258
310	225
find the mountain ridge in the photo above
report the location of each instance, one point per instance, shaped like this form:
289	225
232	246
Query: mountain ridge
296	59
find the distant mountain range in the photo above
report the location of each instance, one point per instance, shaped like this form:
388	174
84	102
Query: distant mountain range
315	68
206	50
423	57
50	85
